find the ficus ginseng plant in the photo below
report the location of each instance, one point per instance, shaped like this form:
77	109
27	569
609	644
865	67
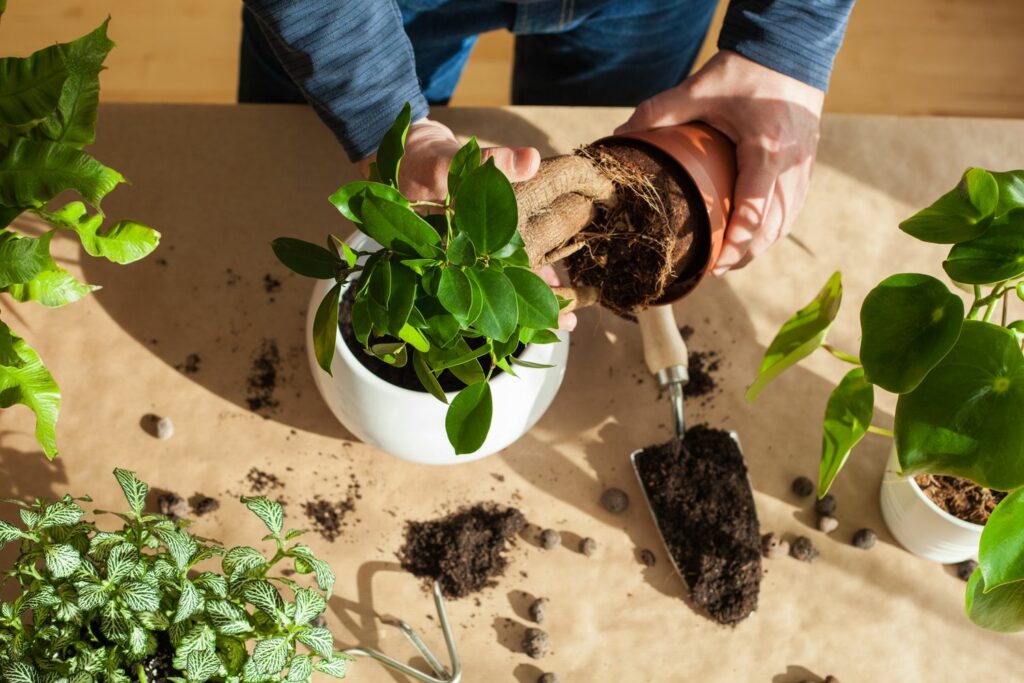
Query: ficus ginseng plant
145	602
958	371
451	285
48	108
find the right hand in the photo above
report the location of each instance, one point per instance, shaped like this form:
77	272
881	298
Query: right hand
429	148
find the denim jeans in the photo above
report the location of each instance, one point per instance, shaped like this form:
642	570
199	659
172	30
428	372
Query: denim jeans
567	52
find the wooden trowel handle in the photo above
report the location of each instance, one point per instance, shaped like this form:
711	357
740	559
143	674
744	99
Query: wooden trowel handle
664	348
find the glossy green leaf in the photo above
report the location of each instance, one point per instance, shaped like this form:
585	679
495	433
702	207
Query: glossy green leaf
1011	191
342	251
135	490
964	418
469	418
414	338
393	225
995	256
1001	553
459	354
999	609
486	209
529	364
29	89
528	336
269	511
402	299
305	258
61	560
461	251
23	257
465	161
53	287
800	335
349	198
909	323
392	353
426	377
961	214
456	295
380	285
392	147
33	172
499	313
514	253
538	307
325	329
125	242
25	380
270	655
847	416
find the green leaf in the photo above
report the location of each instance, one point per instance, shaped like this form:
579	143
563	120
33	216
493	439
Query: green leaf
269	511
91	596
1001	553
529	364
264	597
325	577
909	323
308	605
499	313
319	640
30	88
125	242
465	161
528	336
538	307
336	666
1011	191
181	546
999	609
300	668
456	295
995	256
189	602
486	209
847	416
135	490
380	284
26	381
394	225
201	665
62	513
402	299
228	618
391	353
964	418
122	562
362	325
53	287
461	251
61	560
343	251
271	654
961	214
800	335
20	672
469	418
33	172
140	596
426	377
414	338
22	257
8	533
392	147
325	328
460	354
305	258
349	199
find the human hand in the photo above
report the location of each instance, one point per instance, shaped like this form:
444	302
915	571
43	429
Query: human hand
773	119
429	148
566	319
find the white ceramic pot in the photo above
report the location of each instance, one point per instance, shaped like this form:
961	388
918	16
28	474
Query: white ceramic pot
921	526
410	424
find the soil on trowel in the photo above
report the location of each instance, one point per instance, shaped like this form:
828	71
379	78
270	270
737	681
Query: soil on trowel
464	551
705	510
961	498
632	246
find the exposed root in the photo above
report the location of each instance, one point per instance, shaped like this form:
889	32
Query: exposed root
547	229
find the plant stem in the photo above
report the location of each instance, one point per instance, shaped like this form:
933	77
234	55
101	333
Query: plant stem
841	355
1006	306
880	430
426	203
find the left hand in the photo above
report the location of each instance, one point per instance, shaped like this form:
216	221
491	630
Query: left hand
773	119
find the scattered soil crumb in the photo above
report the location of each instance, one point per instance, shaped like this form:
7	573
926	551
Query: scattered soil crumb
961	498
263	377
271	284
262	482
465	551
202	504
191	364
703	365
647	558
498	477
233	277
686	331
328	517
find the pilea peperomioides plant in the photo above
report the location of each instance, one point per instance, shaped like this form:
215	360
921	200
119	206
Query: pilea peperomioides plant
959	376
137	605
48	106
448	289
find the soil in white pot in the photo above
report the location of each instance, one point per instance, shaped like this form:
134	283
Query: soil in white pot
959	497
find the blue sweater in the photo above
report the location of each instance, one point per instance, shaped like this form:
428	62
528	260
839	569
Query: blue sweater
355	64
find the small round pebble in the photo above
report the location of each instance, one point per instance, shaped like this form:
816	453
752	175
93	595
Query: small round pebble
826	505
865	539
588	546
164	428
774	546
827	523
536	643
550	539
965	569
548	678
647	558
803	550
615	500
538	608
802	486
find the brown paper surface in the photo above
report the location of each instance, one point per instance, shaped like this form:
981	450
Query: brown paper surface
221	182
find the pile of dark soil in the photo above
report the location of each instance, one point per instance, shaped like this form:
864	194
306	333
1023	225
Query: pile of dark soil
327	517
961	498
705	510
263	377
464	551
702	366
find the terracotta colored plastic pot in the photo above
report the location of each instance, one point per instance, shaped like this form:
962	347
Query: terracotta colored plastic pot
709	158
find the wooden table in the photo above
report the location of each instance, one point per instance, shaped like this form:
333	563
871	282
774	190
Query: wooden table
221	182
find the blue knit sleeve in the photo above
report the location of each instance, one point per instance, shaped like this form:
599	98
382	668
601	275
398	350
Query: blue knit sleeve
799	38
351	59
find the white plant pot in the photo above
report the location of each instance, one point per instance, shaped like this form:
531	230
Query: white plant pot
410	424
921	526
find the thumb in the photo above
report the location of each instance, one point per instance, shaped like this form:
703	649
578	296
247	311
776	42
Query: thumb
664	109
517	163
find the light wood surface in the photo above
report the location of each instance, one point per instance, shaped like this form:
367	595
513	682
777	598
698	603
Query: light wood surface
958	57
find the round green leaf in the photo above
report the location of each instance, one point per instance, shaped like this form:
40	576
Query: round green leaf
995	256
455	294
847	416
538	307
909	323
305	258
469	418
999	609
800	335
499	313
964	418
1002	542
486	209
961	214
